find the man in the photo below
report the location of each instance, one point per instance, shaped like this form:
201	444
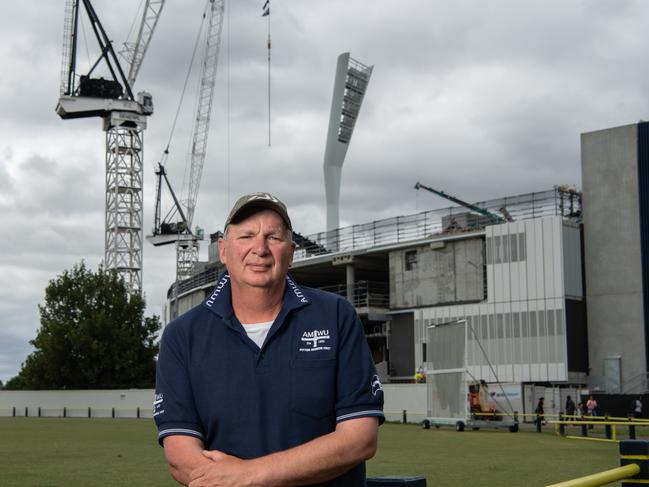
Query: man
637	407
266	383
570	407
540	414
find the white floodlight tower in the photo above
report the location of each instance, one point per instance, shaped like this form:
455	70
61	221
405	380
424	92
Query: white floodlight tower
350	85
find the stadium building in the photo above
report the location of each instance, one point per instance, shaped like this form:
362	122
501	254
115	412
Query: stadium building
554	294
518	283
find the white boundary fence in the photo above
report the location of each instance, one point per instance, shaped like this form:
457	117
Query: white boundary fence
126	403
120	403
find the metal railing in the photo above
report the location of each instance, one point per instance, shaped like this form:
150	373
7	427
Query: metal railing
602	478
367	294
407	228
422	225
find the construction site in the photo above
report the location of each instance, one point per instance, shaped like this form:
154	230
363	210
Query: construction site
551	300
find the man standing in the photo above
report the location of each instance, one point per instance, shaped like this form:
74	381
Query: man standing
570	407
591	405
266	383
637	407
540	414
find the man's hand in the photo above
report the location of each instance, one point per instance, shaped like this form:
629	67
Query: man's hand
226	471
318	460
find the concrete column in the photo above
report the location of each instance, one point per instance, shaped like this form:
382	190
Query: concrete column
351	278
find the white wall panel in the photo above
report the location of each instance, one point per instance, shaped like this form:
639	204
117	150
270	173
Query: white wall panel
531	246
572	265
519	343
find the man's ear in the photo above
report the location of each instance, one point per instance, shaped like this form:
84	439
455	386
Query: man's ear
221	244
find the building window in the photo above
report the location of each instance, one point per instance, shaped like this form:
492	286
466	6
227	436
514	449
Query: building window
410	260
497	251
513	245
521	246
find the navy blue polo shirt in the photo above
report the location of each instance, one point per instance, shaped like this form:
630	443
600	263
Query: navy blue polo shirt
313	371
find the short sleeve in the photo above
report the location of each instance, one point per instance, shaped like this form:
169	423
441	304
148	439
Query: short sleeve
173	407
359	390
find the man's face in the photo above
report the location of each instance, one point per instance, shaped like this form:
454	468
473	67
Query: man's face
258	250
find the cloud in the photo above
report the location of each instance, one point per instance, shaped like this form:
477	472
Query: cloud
479	99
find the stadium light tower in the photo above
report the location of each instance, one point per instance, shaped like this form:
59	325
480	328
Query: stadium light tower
350	85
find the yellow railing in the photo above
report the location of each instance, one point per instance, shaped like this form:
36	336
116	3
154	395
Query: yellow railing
610	427
602	478
633	469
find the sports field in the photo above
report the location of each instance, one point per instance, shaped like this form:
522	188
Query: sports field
46	452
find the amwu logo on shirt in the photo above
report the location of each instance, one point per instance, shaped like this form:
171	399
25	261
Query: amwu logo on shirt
157	405
316	340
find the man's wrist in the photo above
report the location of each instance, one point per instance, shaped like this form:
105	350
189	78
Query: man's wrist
259	471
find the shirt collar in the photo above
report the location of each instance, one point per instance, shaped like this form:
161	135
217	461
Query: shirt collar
220	301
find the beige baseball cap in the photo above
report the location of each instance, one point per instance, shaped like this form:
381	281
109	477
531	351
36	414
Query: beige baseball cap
261	200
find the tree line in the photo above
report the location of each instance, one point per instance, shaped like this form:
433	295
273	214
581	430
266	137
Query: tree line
93	335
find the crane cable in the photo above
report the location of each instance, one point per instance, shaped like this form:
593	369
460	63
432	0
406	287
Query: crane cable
165	154
228	108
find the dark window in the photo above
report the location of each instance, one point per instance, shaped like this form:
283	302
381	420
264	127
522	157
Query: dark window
521	246
514	247
423	352
410	260
550	322
533	331
517	324
497	252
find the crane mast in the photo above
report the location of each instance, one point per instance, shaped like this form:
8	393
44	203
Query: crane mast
204	106
124	120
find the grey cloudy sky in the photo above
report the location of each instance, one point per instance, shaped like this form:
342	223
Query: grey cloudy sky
480	99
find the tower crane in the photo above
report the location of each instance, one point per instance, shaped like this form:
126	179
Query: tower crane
166	231
124	120
481	211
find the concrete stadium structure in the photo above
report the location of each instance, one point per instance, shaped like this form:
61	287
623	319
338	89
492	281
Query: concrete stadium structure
556	296
518	283
615	179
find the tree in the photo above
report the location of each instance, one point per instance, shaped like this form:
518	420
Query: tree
93	335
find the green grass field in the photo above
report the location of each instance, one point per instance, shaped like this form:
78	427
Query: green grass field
47	452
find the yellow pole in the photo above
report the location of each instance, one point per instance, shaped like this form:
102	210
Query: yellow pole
602	478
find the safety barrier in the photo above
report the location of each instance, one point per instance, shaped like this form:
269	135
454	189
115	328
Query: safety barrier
610	424
633	470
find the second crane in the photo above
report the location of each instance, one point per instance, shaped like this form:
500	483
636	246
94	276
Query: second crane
181	232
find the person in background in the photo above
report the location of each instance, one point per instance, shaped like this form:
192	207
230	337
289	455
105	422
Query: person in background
579	412
570	407
591	405
540	413
637	407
